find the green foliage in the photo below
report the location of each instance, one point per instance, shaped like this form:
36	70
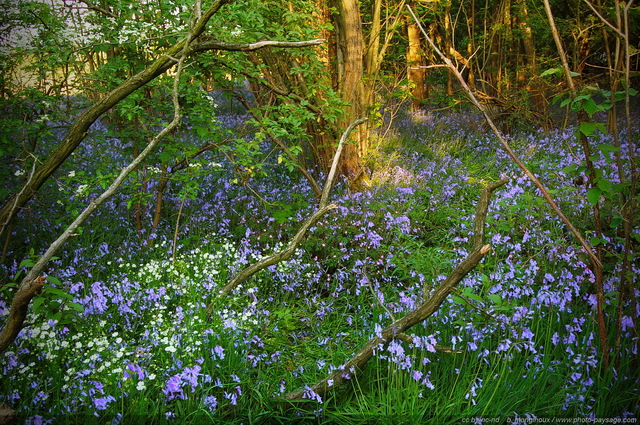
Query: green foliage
53	302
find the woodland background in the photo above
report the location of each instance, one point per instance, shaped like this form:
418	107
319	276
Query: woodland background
177	246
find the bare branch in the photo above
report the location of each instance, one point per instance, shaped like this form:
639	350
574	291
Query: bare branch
604	20
291	247
247	47
283	255
336	158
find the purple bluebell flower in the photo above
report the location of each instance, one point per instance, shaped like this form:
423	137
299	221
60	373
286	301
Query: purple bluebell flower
173	388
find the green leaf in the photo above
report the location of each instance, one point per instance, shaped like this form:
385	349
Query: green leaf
570	168
551	71
458	300
37	303
608	148
597	241
495	298
618	187
54	280
27	262
59	292
76	306
615	222
593	195
587	128
475	297
605	185
590	106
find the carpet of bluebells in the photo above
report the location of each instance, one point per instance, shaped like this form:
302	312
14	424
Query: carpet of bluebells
122	334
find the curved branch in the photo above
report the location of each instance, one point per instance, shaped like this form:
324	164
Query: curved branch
283	255
291	247
336	158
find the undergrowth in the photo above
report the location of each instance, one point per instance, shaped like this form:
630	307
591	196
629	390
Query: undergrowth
130	340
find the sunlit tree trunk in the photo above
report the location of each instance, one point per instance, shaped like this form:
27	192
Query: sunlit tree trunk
416	71
350	84
471	80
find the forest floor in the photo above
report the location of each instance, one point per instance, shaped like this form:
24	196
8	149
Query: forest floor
121	333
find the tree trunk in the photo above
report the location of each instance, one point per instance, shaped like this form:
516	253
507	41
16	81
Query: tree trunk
350	72
416	71
448	44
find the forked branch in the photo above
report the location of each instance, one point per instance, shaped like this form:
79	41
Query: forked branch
286	253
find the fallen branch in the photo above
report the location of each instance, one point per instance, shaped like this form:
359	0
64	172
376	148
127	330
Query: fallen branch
283	255
396	330
286	253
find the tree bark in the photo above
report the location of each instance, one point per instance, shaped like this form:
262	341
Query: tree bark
416	70
350	85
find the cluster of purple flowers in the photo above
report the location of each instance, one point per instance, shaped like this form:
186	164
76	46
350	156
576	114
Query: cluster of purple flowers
144	330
